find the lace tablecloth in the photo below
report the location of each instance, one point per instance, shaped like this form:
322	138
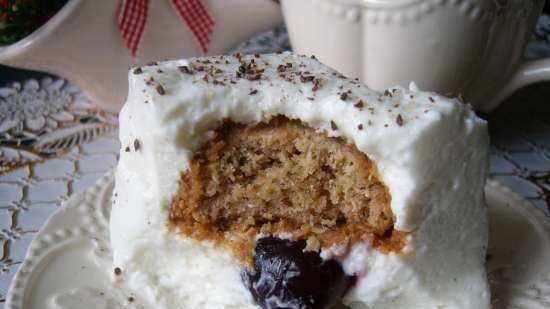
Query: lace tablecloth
54	142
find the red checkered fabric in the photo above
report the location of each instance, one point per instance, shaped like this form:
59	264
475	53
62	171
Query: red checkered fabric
131	22
195	14
133	17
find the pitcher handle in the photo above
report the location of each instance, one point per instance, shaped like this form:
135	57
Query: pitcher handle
528	73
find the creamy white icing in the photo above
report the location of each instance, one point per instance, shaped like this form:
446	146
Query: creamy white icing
431	152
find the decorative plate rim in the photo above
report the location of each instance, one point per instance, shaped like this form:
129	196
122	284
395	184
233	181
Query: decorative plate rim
89	202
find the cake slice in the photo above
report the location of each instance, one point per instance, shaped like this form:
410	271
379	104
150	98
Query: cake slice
272	181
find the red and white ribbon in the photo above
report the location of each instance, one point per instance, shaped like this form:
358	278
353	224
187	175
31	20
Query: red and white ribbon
133	17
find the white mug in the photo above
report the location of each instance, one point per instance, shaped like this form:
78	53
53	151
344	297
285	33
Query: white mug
468	47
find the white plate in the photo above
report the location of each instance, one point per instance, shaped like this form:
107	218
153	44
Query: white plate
68	265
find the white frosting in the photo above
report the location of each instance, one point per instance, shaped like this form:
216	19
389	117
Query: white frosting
434	163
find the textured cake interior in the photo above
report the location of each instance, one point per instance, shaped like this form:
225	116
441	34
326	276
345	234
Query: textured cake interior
283	177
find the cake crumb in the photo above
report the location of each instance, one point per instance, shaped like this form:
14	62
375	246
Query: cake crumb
399	120
313	244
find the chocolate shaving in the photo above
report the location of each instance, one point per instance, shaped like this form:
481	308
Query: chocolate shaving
257	76
399	120
160	89
305	79
185	69
344	96
387	93
127	149
333	126
359	104
130	299
316	84
432	99
118	271
137	144
253	92
138	71
360	126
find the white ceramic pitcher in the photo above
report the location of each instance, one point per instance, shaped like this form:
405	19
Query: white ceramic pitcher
82	42
472	47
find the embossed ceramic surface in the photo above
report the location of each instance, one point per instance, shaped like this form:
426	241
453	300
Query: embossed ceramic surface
68	265
473	47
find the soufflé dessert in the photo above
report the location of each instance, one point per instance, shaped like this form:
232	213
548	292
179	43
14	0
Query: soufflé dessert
272	181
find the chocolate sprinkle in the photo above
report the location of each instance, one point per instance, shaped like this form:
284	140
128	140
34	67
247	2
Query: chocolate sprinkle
399	120
387	93
253	92
127	149
130	299
360	126
359	104
118	271
344	96
138	71
185	69
333	126
305	79
137	144
160	89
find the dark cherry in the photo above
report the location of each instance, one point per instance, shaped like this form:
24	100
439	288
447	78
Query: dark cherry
286	277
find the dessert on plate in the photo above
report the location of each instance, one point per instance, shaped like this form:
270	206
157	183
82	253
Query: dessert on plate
272	181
